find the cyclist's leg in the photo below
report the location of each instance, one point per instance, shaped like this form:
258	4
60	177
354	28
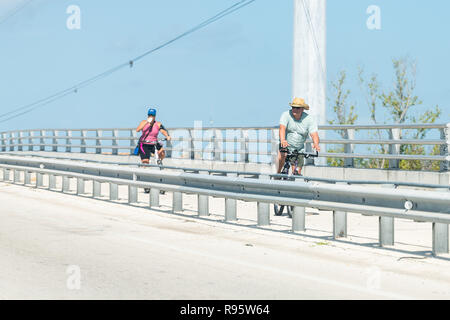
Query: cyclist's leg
281	160
294	168
299	165
144	153
161	154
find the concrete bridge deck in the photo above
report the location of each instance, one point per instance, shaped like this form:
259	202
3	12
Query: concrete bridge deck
133	252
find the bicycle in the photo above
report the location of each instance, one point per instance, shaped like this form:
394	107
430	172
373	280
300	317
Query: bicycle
158	161
291	157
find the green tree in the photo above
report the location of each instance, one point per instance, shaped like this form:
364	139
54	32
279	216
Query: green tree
371	90
343	114
400	102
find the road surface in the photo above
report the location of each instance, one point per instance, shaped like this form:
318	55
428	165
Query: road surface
62	246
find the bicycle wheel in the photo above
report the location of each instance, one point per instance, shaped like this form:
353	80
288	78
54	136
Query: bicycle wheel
290	209
278	209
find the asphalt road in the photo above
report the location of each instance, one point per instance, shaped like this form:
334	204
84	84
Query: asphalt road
59	246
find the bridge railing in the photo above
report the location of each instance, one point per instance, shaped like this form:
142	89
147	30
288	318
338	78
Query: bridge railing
236	144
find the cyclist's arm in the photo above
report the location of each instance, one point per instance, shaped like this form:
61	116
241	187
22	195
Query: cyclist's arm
282	133
164	132
141	125
316	140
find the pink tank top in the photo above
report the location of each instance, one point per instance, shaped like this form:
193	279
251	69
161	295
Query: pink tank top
150	135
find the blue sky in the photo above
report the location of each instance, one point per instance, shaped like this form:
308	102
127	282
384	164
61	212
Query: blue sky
235	72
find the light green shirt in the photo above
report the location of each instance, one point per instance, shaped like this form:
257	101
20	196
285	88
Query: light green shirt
297	131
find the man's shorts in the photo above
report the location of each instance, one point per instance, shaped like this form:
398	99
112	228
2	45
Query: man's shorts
300	159
149	149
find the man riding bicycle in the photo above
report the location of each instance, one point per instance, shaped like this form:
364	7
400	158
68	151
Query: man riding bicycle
295	125
149	140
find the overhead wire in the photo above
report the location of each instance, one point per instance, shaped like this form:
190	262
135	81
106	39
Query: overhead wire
74	89
15	11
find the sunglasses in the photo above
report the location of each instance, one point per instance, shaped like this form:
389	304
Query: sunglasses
296	108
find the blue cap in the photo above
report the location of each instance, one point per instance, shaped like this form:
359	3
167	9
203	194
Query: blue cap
152	112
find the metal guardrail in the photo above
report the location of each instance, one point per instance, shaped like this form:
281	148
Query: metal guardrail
387	204
250	144
252	174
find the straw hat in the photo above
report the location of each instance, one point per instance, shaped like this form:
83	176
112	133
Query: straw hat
299	103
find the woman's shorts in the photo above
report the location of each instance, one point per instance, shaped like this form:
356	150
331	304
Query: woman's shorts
149	149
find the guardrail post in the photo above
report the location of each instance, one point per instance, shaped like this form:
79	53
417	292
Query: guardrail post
80	186
244	146
132	194
96	189
154	197
115	134
132	191
27	178
3	135
386	231
198	135
30	141
6	174
236	154
52	182
230	210
386	227
340	221
133	139
209	149
440	238
39	180
98	142
349	148
263	214
203	205
20	141
218	137
191	144
263	208
394	149
68	141
113	191
177	202
65	184
231	205
55	141
169	147
16	176
298	219
445	148
339	224
83	134
274	144
11	141
42	141
257	146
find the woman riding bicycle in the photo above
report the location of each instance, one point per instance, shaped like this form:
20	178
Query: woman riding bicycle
295	125
149	139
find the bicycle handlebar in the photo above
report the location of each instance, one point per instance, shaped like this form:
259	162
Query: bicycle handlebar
296	152
159	140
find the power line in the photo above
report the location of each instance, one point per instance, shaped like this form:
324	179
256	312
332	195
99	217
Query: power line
14	12
73	89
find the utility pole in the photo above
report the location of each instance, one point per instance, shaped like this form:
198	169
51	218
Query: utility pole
309	77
